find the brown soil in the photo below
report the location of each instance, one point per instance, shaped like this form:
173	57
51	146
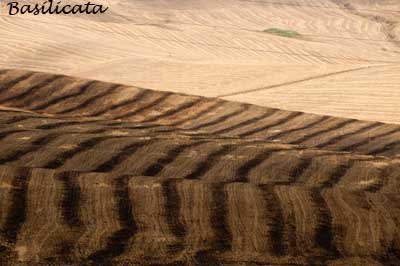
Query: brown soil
93	173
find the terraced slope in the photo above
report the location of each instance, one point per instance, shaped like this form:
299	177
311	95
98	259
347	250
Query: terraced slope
95	173
58	102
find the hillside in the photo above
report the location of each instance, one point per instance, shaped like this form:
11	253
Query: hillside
201	133
96	173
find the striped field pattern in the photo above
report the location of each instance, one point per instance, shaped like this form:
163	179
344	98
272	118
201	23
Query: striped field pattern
94	173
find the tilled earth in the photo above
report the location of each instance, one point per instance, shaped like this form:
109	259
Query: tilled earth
93	173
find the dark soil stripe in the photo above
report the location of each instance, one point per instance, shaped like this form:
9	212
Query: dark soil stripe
221	119
164	97
46	139
281	121
74	133
185	106
347	135
71	199
219	218
219	221
106	123
17	119
323	131
323	231
29	91
172	208
60	124
123	155
307	126
338	173
118	242
300	169
171	155
296	173
5	134
18	154
91	100
84	146
12	83
354	146
199	114
246	122
16	216
278	247
137	98
386	148
83	89
204	166
244	170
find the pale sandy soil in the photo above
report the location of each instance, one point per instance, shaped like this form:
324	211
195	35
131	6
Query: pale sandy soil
347	63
